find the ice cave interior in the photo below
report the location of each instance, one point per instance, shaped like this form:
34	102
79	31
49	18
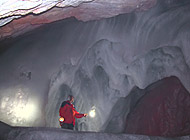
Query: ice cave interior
128	61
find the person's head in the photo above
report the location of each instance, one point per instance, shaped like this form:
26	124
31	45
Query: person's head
71	98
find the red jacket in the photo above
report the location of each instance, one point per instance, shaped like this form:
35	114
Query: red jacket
68	112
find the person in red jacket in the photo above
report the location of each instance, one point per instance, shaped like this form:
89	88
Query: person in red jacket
68	114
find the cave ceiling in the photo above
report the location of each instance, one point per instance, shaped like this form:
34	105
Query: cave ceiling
20	16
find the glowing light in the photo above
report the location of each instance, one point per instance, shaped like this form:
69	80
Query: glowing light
92	113
18	108
61	119
24	111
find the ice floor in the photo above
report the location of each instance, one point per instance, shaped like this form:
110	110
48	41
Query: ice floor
41	133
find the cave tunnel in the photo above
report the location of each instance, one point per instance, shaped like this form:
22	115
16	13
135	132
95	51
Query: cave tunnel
127	61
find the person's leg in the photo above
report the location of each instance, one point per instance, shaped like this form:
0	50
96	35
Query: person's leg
70	126
64	126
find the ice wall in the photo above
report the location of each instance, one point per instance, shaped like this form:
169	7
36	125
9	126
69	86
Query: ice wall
102	77
98	62
112	66
96	83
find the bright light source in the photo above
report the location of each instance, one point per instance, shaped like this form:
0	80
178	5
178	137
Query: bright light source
61	119
19	108
24	111
92	113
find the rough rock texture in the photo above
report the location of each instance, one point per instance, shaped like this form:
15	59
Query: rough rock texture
23	7
86	11
163	111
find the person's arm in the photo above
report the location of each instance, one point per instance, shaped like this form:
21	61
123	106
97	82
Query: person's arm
78	115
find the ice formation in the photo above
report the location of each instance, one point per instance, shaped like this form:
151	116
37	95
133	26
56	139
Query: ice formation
97	61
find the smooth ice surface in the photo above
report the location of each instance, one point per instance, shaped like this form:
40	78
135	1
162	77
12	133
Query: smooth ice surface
20	133
39	133
98	62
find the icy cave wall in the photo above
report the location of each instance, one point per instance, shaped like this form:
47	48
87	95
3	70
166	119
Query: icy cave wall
97	61
106	73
